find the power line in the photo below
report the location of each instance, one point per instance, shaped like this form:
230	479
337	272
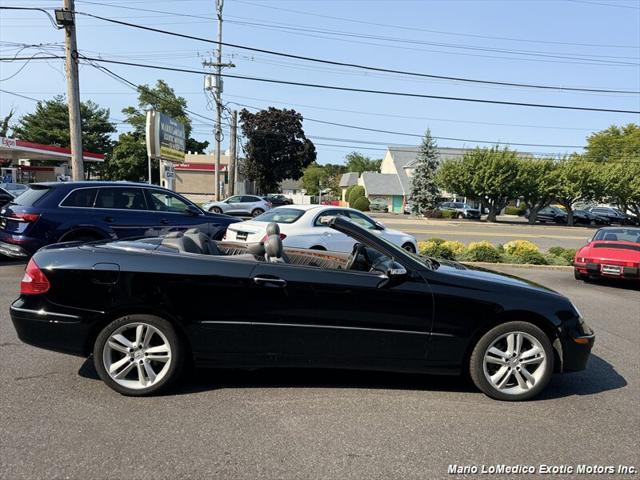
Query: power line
19	95
351	89
359	66
415	135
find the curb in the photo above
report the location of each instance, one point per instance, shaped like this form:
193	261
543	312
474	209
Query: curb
519	265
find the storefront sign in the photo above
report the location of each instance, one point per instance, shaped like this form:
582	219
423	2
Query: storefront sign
165	137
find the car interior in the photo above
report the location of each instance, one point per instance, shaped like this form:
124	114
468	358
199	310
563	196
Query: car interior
194	241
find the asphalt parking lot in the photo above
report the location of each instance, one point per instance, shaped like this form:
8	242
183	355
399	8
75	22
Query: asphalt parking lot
59	421
505	230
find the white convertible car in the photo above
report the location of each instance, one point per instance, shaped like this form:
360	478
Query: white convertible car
301	226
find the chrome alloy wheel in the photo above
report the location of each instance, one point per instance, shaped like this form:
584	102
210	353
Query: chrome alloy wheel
137	355
514	363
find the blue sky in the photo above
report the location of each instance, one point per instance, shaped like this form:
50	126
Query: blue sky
576	43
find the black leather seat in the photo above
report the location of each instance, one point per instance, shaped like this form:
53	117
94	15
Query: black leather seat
206	245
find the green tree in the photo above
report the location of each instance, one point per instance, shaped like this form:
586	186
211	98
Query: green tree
4	124
483	174
327	176
424	190
129	158
276	147
621	184
356	162
535	180
576	179
356	192
49	125
614	144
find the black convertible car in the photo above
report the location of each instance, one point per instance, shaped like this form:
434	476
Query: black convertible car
144	308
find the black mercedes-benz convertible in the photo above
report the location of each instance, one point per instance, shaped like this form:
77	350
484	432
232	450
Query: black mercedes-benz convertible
144	308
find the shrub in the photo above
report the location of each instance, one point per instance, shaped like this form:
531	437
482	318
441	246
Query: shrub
567	254
482	251
519	247
448	214
356	192
456	247
362	204
348	193
511	210
556	260
432	214
436	240
527	256
436	250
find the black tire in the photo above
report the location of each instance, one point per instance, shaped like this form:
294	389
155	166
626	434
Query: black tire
409	247
215	210
579	276
460	215
256	212
476	361
175	364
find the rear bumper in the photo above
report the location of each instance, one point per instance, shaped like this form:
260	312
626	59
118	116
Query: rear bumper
18	246
595	270
14	251
52	330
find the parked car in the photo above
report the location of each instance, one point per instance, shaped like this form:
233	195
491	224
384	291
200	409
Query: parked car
408	208
277	199
241	205
587	218
145	308
14	188
550	214
302	226
613	252
614	215
378	205
460	209
84	211
5	197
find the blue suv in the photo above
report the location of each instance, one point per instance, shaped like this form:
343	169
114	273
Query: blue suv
64	211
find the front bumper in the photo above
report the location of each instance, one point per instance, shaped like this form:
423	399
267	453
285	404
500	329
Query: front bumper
39	325
475	215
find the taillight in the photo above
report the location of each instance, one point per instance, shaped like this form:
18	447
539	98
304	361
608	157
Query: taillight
34	280
25	217
266	237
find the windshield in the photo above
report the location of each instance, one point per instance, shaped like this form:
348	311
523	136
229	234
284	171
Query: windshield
618	235
29	197
280	215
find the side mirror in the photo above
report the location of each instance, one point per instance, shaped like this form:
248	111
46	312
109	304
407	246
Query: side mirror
394	276
192	210
379	226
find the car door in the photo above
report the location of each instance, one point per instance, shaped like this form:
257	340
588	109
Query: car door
343	318
248	204
124	210
234	205
171	212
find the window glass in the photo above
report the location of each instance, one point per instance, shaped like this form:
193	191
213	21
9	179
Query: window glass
166	202
82	197
328	213
362	220
248	199
619	234
121	199
31	196
280	215
235	199
458	205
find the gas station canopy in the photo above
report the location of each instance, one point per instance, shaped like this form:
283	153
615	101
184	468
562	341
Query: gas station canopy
14	149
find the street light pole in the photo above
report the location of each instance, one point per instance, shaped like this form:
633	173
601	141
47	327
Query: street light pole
73	93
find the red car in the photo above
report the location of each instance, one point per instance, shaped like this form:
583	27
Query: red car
613	252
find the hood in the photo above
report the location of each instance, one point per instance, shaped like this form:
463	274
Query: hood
485	275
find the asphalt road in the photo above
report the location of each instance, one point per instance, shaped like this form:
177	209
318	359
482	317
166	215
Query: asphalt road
507	229
59	421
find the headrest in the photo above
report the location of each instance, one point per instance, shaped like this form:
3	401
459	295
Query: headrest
256	249
273	247
273	229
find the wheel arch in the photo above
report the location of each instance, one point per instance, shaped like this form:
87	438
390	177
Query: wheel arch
83	230
536	319
139	310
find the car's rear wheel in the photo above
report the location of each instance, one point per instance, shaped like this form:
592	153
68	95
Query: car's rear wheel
138	355
409	247
256	212
215	210
460	215
513	361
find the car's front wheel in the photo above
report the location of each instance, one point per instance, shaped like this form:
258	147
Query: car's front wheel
138	355
513	361
460	215
215	210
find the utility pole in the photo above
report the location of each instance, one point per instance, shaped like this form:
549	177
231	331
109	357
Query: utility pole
73	93
233	153
218	65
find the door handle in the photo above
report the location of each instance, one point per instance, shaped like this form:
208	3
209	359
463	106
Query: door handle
164	221
270	282
108	219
